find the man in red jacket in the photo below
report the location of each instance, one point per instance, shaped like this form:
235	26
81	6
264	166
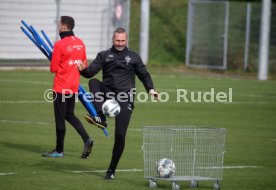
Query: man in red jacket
67	54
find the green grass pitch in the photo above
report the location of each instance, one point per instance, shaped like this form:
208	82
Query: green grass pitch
27	129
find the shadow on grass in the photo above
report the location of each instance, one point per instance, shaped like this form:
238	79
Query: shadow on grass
30	148
68	166
26	147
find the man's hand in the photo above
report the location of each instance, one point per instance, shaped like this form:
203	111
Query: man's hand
82	66
153	93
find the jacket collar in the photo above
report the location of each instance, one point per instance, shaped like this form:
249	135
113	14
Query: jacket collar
66	34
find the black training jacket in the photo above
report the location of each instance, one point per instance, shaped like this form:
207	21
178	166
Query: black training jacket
119	69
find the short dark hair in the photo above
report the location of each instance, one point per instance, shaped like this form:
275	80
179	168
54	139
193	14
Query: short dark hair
119	30
68	21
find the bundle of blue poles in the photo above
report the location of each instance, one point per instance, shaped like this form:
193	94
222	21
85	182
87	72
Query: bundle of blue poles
38	41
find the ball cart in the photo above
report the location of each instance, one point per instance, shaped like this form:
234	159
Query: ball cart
197	153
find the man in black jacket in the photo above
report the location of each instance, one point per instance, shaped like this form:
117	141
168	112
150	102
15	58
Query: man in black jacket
119	66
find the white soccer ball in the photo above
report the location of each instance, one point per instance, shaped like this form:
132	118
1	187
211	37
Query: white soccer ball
111	108
165	168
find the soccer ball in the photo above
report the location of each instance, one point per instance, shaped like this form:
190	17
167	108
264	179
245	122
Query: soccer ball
111	108
165	168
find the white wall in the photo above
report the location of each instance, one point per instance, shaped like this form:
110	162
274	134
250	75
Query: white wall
88	15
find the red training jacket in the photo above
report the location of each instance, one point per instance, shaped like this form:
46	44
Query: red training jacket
67	53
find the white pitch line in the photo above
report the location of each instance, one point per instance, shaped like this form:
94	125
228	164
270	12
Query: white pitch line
23	101
140	170
241	167
204	91
25	122
211	103
233	167
248	102
30	82
134	129
25	68
129	129
49	123
170	102
25	81
102	171
2	174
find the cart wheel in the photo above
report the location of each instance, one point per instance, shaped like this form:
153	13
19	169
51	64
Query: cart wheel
194	184
216	186
152	184
175	186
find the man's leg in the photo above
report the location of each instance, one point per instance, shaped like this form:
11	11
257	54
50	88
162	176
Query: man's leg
59	109
121	125
75	122
96	88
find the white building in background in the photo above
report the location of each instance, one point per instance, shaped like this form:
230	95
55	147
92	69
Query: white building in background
95	22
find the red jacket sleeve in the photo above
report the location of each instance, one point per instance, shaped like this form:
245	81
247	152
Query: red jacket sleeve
56	56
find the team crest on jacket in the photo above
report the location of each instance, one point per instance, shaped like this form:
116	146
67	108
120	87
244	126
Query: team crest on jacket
128	59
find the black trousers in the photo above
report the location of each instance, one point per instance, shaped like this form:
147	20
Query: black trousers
121	120
64	110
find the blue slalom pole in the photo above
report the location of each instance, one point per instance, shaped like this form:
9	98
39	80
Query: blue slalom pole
47	39
35	42
41	42
85	96
38	39
26	25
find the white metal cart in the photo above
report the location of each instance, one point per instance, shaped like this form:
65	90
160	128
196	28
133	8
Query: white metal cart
197	152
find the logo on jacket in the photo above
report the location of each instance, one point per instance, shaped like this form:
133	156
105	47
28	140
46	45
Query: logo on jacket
128	59
69	48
